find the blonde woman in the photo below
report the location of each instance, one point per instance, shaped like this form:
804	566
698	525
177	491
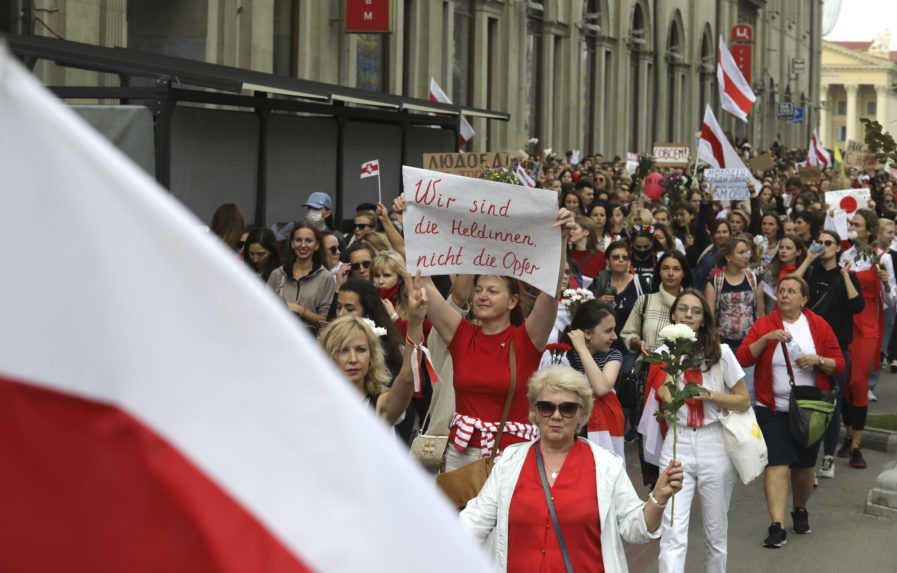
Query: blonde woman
389	275
356	349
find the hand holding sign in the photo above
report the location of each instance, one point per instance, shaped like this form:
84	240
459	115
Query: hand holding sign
454	224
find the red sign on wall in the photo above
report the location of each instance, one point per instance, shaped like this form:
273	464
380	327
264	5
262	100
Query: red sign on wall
741	53
742	33
367	16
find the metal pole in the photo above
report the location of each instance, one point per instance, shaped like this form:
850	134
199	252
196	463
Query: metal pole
261	181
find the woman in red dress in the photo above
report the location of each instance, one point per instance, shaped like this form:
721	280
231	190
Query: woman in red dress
594	501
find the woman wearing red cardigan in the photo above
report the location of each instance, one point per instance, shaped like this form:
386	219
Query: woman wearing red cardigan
814	356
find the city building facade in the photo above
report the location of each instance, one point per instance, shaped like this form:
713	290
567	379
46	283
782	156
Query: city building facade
597	75
858	80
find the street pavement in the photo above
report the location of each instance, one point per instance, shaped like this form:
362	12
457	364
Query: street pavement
843	538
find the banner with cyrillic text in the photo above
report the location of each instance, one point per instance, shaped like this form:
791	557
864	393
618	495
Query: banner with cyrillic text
729	184
459	225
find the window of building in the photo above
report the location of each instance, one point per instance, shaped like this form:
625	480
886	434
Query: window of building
870	108
462	64
286	37
534	69
842	107
842	133
370	62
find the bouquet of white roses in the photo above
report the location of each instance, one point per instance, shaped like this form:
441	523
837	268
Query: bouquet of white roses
572	298
676	359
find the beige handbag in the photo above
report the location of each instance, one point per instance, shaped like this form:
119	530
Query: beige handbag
429	450
463	484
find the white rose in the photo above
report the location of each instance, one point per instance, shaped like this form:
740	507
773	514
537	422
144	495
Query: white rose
673	332
548	151
759	240
852	235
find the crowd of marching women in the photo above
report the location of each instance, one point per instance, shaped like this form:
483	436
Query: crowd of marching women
781	292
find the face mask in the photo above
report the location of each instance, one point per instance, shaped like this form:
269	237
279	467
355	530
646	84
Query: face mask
314	216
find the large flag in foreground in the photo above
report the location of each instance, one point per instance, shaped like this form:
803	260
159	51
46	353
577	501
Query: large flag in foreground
160	410
735	93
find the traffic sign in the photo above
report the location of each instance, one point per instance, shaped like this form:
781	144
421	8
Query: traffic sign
785	110
798	116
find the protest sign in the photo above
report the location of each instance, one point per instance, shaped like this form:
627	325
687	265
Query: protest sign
860	159
855	146
670	154
574	159
466	164
729	184
631	162
809	175
847	200
455	224
763	162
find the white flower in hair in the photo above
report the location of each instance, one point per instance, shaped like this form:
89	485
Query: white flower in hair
377	330
673	332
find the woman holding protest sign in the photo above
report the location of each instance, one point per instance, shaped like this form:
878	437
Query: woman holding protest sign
483	350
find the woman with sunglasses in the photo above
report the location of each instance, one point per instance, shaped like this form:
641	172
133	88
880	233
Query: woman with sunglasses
581	476
482	350
708	471
365	222
303	282
835	296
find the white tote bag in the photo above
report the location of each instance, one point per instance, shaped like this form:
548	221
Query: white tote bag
744	443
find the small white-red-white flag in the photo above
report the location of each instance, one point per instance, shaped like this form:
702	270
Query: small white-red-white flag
735	94
816	154
523	177
436	94
370	168
186	432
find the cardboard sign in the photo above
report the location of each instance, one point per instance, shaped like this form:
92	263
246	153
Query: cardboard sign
670	154
860	160
810	175
631	162
855	146
466	164
455	224
763	162
729	184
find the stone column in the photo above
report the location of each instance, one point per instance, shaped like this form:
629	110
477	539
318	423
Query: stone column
881	105
825	131
547	137
643	108
852	117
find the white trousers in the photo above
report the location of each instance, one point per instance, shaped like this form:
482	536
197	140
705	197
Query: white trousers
455	459
709	472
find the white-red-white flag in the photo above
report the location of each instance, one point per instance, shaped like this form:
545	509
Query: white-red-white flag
436	94
816	154
370	168
167	413
735	93
523	177
714	146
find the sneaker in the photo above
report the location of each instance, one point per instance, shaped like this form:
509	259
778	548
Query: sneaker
893	367
844	450
801	520
777	536
856	459
872	396
827	469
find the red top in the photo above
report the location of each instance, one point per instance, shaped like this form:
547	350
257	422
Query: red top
402	327
590	263
532	542
823	338
482	375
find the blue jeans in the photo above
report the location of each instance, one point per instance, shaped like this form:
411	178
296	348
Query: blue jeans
833	432
887	330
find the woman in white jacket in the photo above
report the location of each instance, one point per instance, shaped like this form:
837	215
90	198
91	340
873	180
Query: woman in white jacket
592	498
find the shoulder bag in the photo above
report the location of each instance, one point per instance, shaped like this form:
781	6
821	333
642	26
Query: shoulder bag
554	516
743	440
632	387
463	484
810	409
428	449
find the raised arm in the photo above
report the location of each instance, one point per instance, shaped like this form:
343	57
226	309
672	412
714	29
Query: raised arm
545	309
444	318
395	237
601	381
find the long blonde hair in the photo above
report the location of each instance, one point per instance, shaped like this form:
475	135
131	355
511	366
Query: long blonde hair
333	339
393	261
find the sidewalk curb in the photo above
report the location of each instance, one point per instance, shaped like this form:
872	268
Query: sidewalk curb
877	439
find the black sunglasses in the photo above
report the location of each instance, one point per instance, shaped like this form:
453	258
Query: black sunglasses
334	249
827	242
363	226
358	266
567	409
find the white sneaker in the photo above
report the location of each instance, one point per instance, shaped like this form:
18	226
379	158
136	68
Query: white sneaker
893	366
872	396
827	469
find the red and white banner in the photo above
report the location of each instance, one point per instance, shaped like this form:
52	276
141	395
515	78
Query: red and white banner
436	94
370	168
167	413
817	156
714	146
523	177
736	95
